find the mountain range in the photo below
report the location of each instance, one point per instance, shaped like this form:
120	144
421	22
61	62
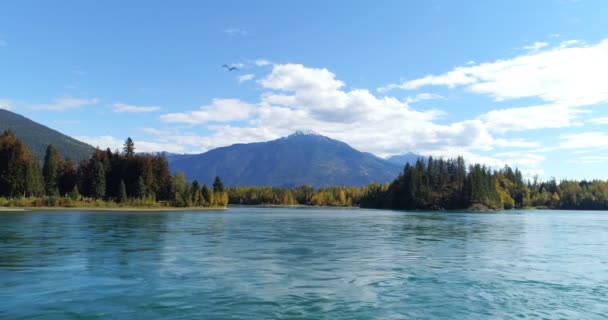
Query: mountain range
38	137
402	159
302	158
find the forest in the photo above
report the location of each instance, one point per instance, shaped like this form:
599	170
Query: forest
106	179
128	179
438	184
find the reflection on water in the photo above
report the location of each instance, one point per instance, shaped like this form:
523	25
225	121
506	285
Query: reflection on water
303	264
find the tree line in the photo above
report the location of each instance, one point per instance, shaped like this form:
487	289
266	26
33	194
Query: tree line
128	179
440	184
302	195
117	177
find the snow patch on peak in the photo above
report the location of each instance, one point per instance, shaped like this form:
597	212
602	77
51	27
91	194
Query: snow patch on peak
304	133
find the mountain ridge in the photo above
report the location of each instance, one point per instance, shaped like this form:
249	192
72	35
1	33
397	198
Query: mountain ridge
38	136
301	158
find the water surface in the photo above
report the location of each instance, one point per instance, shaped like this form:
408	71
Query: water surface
255	263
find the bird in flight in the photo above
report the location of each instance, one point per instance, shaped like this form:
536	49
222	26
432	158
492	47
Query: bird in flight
230	68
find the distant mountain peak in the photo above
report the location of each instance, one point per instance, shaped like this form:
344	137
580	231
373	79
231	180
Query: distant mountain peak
305	133
302	158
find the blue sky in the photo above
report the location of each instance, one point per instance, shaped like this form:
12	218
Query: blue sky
518	82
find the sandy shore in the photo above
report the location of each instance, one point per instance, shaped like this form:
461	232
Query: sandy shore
9	209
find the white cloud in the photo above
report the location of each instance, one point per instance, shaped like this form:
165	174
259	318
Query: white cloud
584	140
296	77
572	74
536	46
570	43
221	110
515	143
65	103
530	118
586	160
246	77
155	131
296	97
600	120
7	104
262	62
113	143
300	98
120	107
102	142
235	32
424	96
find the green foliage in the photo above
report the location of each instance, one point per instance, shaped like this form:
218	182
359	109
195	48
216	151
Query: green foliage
140	189
129	148
99	181
20	174
105	179
303	195
181	194
74	194
122	192
50	171
218	186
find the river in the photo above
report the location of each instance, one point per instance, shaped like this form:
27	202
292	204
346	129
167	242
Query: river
258	263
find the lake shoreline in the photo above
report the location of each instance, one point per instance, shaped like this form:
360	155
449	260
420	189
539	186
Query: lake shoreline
108	209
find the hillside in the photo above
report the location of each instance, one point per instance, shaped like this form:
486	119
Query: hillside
299	159
38	137
402	159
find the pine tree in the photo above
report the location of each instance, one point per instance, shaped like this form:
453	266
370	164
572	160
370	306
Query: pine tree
140	188
19	171
122	192
74	194
99	181
50	171
218	186
205	195
195	191
129	148
67	177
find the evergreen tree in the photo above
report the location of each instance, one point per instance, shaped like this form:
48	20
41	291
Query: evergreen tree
162	178
74	194
129	148
68	177
218	186
195	191
140	189
50	171
122	192
205	195
99	181
19	171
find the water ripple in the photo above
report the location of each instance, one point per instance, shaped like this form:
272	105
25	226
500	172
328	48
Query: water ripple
253	263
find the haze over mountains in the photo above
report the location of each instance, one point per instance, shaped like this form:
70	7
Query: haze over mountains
302	158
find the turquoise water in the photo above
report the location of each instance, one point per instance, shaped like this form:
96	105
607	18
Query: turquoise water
254	263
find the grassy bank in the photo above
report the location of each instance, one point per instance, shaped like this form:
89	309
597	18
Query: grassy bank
55	203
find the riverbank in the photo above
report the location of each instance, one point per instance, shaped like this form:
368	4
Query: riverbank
109	209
